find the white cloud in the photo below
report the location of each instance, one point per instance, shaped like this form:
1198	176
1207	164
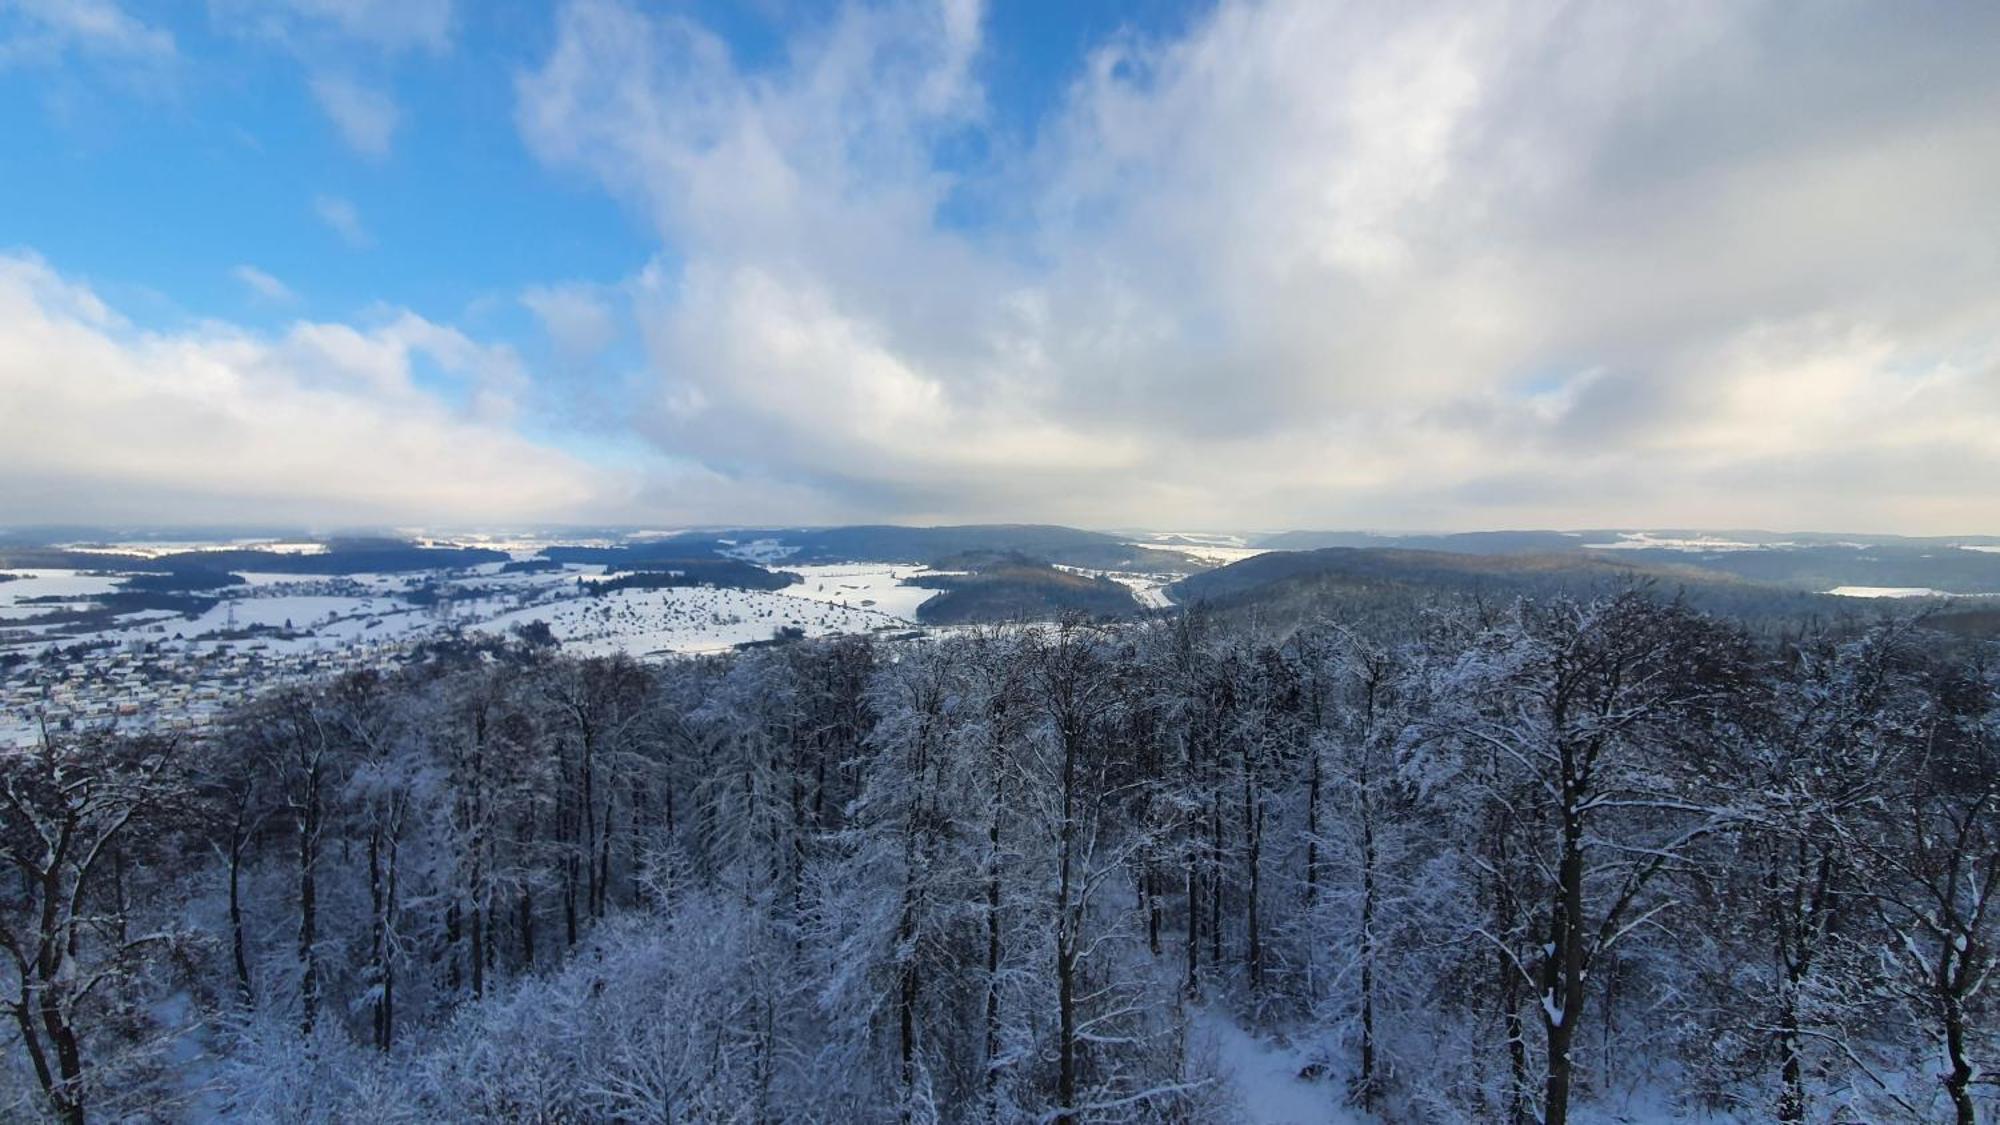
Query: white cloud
1320	264
348	51
325	424
366	117
391	25
262	285
343	219
578	318
43	31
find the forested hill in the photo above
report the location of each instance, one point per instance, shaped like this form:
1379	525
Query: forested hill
1798	560
1290	587
988	587
338	557
1548	860
1522	572
1064	546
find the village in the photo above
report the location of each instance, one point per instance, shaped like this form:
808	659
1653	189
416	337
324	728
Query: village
162	671
159	685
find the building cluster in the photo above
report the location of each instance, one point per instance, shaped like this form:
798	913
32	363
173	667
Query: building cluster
161	686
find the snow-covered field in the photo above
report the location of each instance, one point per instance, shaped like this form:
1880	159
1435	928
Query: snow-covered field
1265	1074
1887	592
1149	589
1646	540
693	620
1214	553
74	584
302	614
153	549
1173	540
863	586
159	665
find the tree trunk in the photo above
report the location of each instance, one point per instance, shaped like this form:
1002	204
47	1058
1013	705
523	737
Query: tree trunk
1368	1081
1151	876
1193	987
1505	913
1066	1028
309	910
31	1040
527	926
1958	1080
378	939
66	1096
1562	978
601	884
1517	1044
1253	822
1067	925
238	954
1312	827
996	776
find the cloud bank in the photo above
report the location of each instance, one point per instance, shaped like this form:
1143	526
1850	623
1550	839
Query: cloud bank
1294	264
1320	264
321	425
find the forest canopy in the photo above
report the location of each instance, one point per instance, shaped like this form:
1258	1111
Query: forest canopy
1481	862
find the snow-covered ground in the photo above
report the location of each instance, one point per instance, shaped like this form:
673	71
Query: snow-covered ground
153	549
1214	553
316	613
1269	1090
1149	589
858	598
1887	592
74	584
864	586
691	619
1646	540
162	665
1173	540
766	551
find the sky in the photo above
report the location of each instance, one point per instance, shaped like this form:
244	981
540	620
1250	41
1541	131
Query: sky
1230	265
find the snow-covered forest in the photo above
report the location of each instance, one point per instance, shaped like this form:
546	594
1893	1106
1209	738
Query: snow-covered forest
1561	860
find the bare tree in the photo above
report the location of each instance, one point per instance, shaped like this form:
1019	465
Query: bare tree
70	804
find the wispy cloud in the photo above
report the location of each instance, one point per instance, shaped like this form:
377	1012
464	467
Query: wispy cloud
348	51
343	219
45	30
366	117
391	25
263	286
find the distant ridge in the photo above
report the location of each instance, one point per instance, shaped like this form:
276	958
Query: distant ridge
1065	546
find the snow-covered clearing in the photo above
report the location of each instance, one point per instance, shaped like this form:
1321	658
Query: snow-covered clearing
1176	540
1149	589
156	549
324	612
873	586
1208	552
1646	540
690	619
769	552
1266	1076
1886	592
830	599
69	584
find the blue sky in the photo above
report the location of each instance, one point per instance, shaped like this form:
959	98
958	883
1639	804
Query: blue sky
163	176
1243	263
